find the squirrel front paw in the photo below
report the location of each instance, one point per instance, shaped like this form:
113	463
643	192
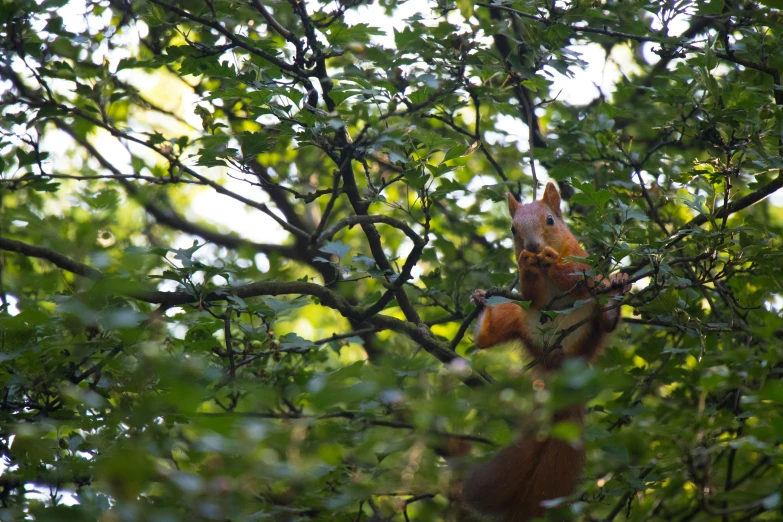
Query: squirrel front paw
479	297
548	257
527	259
617	284
620	281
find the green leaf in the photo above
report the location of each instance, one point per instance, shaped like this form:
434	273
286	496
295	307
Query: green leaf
497	300
280	307
447	186
335	248
567	431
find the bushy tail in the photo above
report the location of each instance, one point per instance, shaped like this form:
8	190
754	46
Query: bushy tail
514	483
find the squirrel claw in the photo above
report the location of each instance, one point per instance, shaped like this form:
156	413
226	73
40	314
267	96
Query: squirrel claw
617	283
620	281
527	259
548	256
479	297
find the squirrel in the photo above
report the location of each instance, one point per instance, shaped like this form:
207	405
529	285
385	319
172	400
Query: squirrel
513	485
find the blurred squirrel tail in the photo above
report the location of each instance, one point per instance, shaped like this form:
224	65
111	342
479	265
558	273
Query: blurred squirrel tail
518	479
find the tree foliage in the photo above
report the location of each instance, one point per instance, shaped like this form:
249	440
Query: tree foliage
309	359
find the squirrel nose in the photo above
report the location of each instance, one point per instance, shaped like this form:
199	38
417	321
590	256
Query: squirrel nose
532	246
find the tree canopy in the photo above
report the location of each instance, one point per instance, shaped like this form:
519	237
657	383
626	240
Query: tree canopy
238	241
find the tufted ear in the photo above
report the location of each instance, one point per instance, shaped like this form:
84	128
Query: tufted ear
552	198
513	204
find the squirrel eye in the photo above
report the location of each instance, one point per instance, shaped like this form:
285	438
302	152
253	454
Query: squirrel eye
513	231
550	220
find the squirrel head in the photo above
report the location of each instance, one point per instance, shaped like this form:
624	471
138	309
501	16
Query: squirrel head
539	224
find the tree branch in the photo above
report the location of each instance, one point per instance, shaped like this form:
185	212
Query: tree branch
418	332
352	416
239	42
354	220
64	262
735	206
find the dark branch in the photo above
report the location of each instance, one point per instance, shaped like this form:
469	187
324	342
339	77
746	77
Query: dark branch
66	263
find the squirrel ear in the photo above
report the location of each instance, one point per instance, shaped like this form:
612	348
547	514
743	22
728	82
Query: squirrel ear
552	198
513	204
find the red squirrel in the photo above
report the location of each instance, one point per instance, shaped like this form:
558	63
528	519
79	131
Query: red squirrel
513	485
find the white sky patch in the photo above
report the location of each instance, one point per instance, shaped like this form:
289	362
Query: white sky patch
677	25
262	262
375	16
73	14
775	304
57	143
13	303
648	54
466	201
601	72
229	214
516	130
